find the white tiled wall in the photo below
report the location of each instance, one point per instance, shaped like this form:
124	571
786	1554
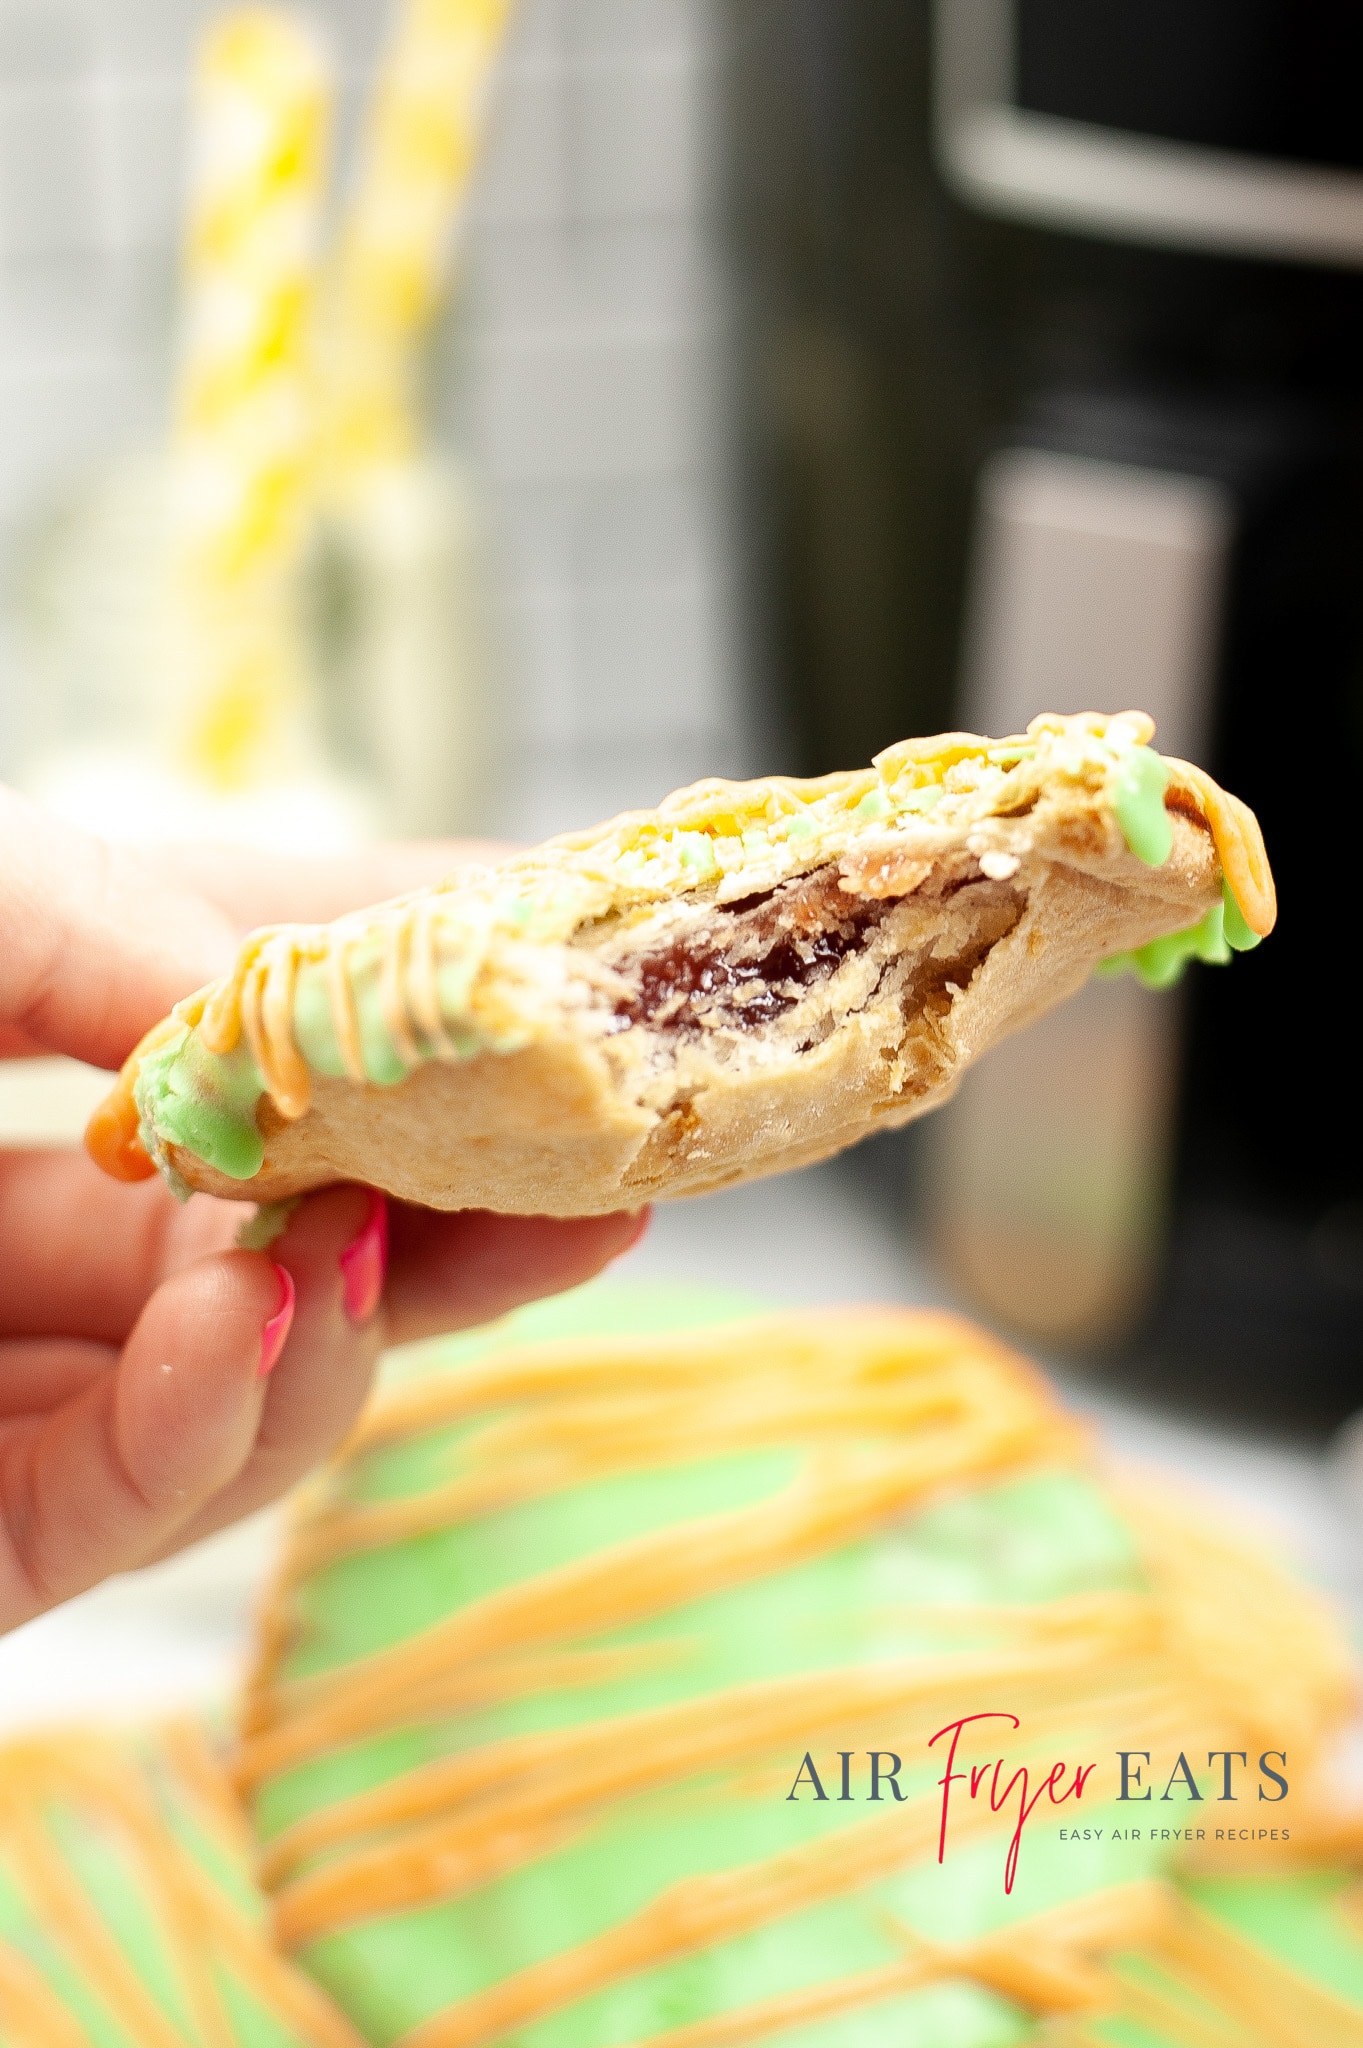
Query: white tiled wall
583	373
594	351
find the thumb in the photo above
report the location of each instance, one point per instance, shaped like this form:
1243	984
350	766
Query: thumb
104	1482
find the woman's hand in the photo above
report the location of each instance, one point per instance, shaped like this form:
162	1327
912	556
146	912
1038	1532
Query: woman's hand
154	1382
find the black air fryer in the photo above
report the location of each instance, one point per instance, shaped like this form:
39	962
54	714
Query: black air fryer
1055	363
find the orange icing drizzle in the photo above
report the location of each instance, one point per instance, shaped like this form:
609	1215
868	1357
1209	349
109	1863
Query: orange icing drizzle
1238	841
862	1471
111	1136
615	1421
1220	1594
1265	2000
31	2014
509	1803
256	1001
882	1409
693	1914
577	1767
98	1781
1234	828
1041	1964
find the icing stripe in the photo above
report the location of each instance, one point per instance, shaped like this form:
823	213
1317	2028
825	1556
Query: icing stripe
91	1781
637	1580
884	1343
528	1456
521	1797
31	2014
72	1921
882	1410
112	1136
282	1066
1273	2002
393	988
345	1020
1239	845
691	1915
423	985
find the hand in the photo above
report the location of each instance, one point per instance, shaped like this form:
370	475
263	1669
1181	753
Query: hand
155	1383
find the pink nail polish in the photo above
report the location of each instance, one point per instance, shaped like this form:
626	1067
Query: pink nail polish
364	1262
277	1329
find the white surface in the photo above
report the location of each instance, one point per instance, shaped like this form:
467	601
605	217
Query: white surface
48	1101
179	1633
144	1645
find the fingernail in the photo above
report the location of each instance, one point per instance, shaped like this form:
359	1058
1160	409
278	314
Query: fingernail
277	1329
364	1262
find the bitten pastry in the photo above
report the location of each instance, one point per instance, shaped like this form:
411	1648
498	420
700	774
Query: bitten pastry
748	978
128	1916
561	1733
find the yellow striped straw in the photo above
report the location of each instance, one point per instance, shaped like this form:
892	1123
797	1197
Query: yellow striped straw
418	156
246	425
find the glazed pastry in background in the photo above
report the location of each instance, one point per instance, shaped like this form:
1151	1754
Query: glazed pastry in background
749	978
553	1637
128	1914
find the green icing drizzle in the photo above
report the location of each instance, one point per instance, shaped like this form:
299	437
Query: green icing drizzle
313	1030
1160	964
1138	799
382	1061
1239	937
204	1102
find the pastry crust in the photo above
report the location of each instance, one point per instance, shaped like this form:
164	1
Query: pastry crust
748	979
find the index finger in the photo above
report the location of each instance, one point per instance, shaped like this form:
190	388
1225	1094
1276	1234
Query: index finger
98	942
256	888
94	945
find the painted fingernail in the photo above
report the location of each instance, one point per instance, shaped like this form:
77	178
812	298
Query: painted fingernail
277	1329
364	1262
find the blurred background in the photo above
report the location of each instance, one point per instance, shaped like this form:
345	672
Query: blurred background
443	415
